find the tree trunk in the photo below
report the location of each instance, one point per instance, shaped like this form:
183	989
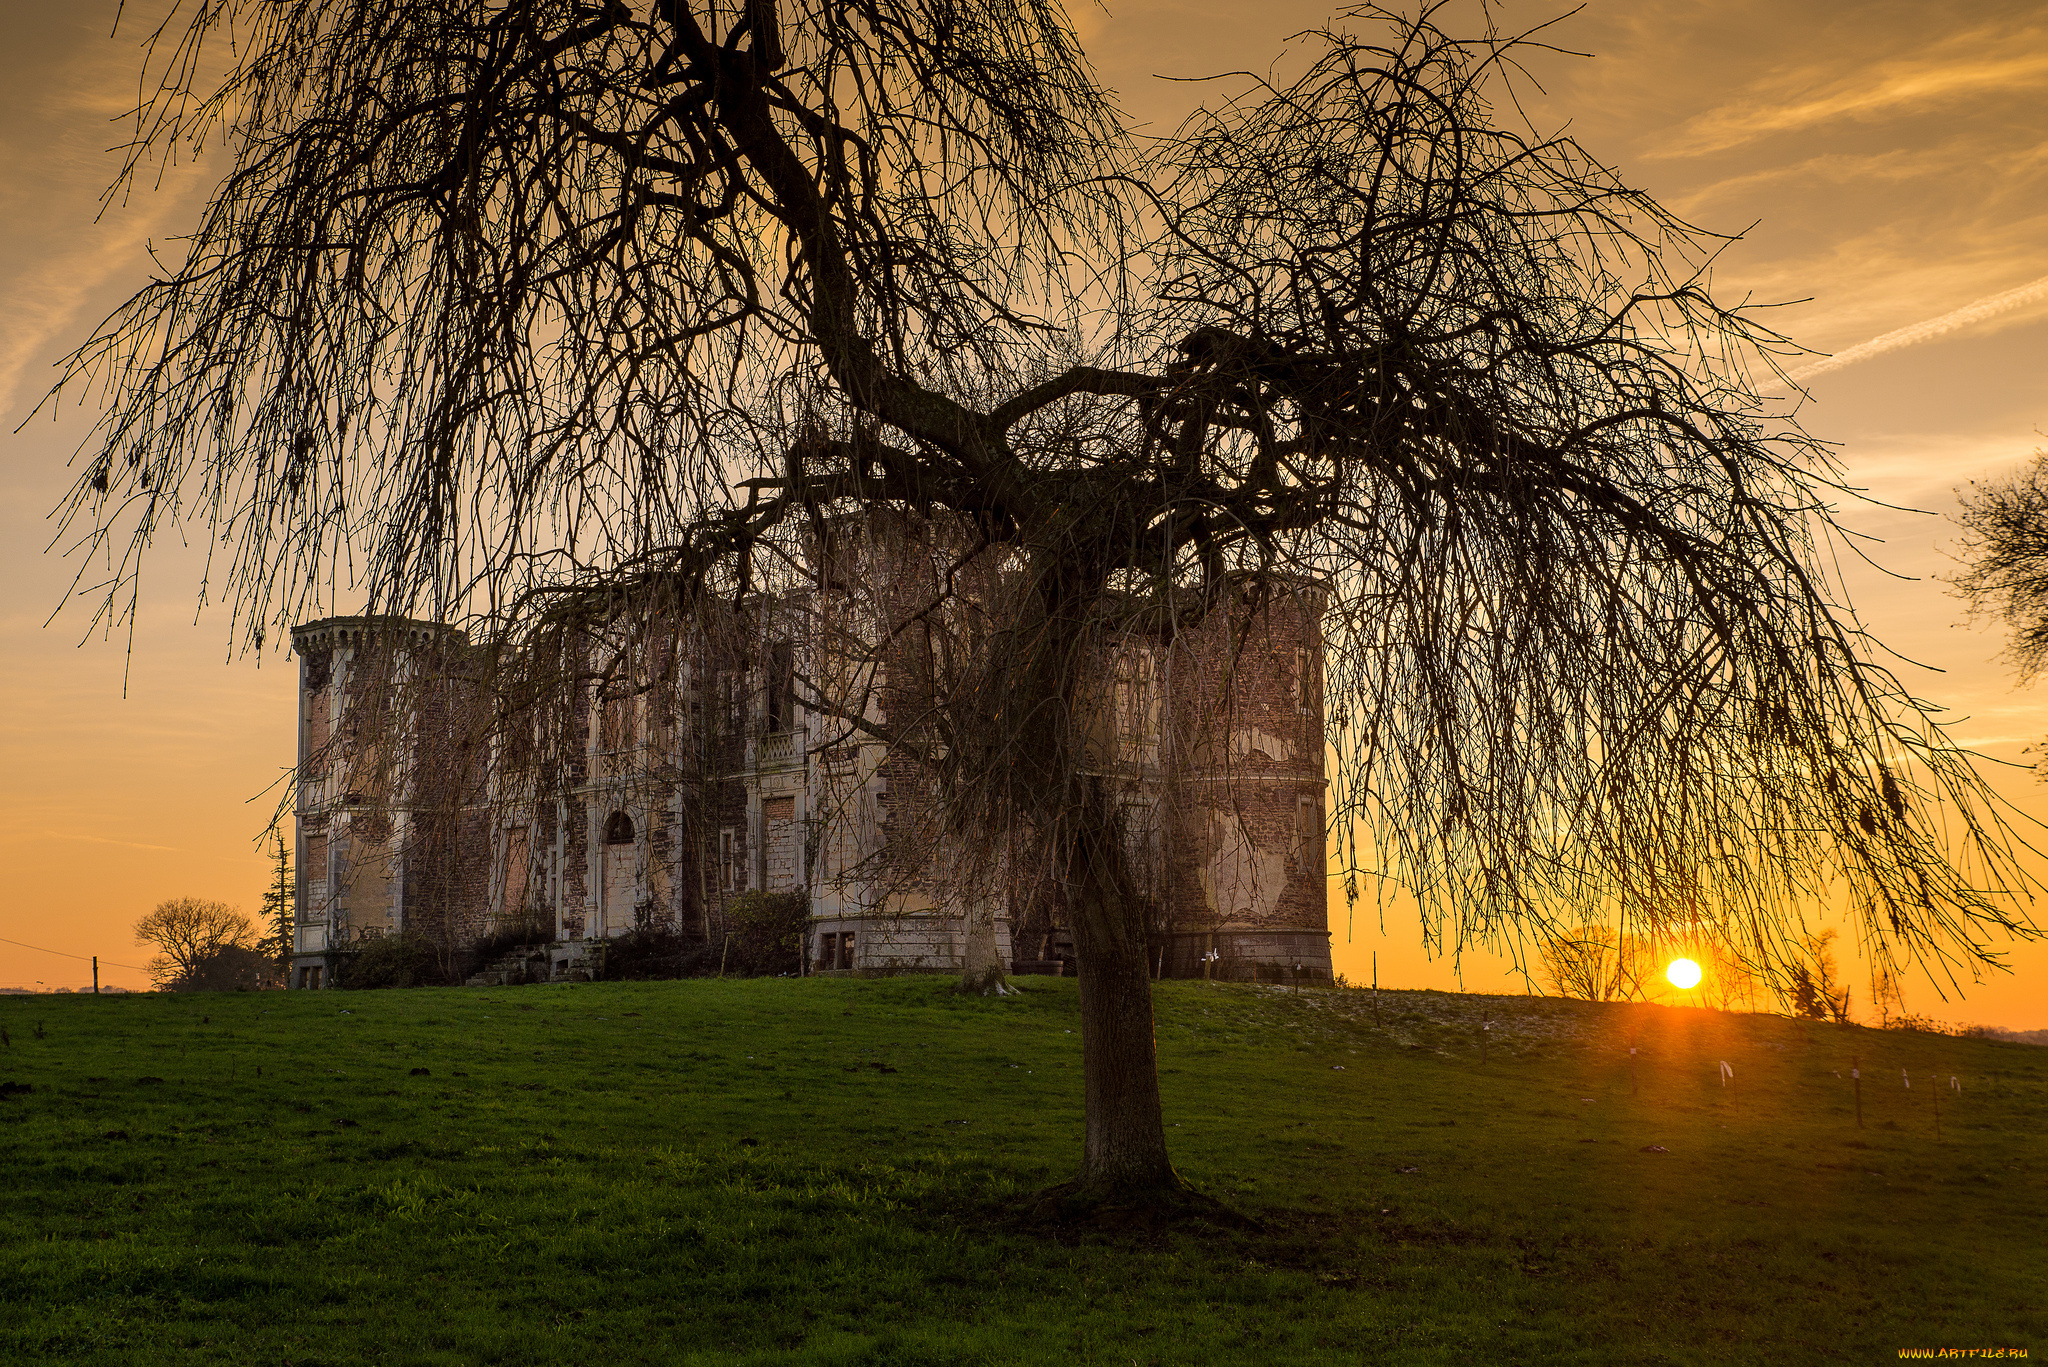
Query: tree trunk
1125	1170
1125	1159
982	969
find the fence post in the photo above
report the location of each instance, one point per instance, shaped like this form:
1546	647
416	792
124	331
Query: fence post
1856	1077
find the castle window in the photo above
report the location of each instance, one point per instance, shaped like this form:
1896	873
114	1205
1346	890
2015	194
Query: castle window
1136	703
728	860
512	892
731	699
619	829
837	645
1308	835
1303	686
615	724
781	684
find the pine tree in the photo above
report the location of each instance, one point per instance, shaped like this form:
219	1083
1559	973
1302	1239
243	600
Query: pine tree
1806	998
277	905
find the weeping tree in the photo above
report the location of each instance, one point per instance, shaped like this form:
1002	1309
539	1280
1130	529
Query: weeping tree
528	309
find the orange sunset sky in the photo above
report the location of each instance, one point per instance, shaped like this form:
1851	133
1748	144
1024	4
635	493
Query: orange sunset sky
1888	162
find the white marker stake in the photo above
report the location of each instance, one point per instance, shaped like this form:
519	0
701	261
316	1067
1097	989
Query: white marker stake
1727	1073
1908	1077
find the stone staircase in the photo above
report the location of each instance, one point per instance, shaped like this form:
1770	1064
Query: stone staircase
529	964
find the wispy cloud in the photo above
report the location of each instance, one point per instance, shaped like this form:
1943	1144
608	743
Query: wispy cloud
1901	85
1989	307
66	257
1974	155
44	305
84	839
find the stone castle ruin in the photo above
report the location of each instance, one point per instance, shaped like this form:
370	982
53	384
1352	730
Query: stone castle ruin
650	768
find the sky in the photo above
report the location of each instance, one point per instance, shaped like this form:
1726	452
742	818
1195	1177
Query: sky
1885	165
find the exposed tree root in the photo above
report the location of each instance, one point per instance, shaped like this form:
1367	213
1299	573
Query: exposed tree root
989	982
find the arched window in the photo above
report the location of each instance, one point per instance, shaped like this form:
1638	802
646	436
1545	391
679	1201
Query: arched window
619	829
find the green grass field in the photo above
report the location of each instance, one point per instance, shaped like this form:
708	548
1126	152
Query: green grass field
834	1171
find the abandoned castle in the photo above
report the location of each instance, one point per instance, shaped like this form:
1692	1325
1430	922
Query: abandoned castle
614	804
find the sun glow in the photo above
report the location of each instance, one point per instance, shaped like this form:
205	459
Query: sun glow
1683	973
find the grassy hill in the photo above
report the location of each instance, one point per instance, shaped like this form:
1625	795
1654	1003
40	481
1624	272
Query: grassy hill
830	1171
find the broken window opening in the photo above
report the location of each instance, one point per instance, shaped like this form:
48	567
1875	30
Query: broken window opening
781	687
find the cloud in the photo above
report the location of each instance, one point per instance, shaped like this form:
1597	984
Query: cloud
1976	158
1982	310
86	839
1905	85
67	256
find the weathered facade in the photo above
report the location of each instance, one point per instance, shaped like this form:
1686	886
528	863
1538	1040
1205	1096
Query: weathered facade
391	832
681	768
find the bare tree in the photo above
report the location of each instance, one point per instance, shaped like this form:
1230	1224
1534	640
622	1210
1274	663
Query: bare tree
2005	554
189	933
1584	962
546	312
1887	996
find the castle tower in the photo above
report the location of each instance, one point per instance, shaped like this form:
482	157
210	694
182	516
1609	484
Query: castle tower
1246	808
378	797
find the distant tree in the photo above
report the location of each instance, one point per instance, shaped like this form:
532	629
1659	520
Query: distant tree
1887	996
1597	963
1584	963
1814	989
1922	1024
1727	981
1805	996
277	904
188	932
2005	557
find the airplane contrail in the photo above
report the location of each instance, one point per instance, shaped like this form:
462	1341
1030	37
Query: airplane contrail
1990	306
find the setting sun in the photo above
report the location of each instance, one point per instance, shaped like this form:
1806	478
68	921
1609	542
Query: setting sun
1683	973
